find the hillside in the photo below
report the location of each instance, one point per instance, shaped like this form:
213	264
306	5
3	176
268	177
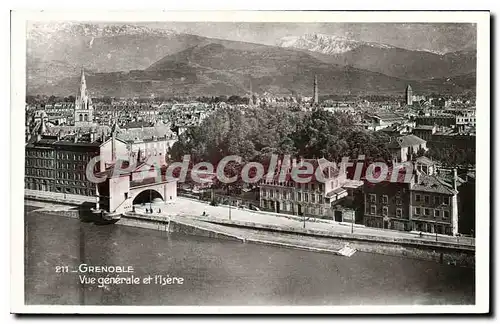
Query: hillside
139	61
214	69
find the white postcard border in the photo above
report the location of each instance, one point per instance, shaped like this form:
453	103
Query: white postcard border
18	89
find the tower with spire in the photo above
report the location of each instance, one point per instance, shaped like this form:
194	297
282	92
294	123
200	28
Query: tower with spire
409	95
251	101
315	90
84	111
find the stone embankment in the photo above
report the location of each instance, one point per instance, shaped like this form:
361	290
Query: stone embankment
287	236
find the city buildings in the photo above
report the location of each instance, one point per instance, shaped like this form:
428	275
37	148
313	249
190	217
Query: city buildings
381	120
445	120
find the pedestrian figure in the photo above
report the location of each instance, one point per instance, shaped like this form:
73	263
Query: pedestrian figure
159	211
420	234
204	213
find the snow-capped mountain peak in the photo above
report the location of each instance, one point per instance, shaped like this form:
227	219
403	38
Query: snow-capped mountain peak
326	44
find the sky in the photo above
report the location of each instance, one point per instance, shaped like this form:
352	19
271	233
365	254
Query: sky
444	37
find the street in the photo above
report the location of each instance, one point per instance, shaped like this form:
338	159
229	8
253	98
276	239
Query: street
190	207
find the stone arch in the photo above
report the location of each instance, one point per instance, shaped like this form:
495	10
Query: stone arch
147	195
80	117
85	117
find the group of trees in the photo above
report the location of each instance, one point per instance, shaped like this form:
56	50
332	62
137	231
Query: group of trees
257	132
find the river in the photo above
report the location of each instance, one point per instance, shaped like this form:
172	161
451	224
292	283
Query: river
219	272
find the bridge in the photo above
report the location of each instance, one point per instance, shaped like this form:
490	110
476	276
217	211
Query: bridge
121	190
149	189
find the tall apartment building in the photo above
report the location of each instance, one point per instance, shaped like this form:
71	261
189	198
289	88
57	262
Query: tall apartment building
58	164
425	203
314	198
387	203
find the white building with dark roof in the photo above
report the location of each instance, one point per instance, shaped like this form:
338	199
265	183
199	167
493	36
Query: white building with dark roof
403	148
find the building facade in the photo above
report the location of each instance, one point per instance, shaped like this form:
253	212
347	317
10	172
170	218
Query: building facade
314	198
387	204
58	164
423	203
403	148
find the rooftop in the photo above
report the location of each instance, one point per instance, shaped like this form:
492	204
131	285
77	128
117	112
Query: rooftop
433	184
406	141
425	160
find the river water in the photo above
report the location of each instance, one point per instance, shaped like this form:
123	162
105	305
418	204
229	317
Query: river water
218	272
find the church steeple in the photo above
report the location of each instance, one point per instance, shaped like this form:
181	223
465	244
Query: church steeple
82	99
83	104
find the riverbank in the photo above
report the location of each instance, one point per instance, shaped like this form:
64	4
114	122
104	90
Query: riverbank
286	236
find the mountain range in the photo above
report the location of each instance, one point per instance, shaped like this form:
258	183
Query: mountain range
132	60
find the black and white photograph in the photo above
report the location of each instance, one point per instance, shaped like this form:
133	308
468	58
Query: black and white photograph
279	161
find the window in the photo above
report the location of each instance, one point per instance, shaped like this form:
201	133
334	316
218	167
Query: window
417	197
373	198
436	213
446	214
427	211
417	211
426	199
385	199
299	196
320	199
446	200
313	198
398	201
270	193
399	212
385	211
306	197
373	209
437	201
